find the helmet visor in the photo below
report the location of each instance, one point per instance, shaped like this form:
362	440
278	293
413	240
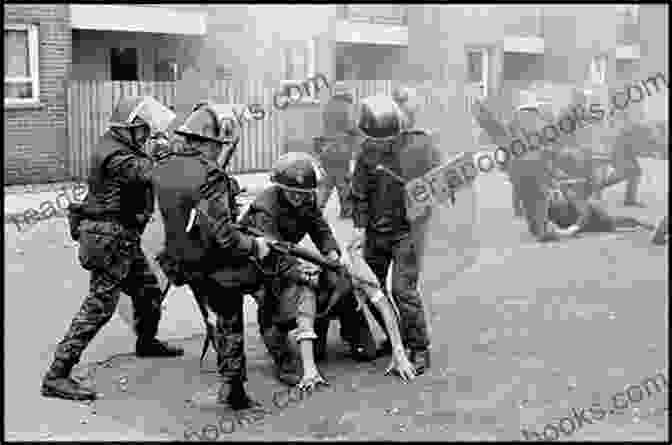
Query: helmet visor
227	120
155	114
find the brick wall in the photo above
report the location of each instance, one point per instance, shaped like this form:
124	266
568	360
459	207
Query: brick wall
35	139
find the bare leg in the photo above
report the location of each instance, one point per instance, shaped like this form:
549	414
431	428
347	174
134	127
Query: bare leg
303	300
305	336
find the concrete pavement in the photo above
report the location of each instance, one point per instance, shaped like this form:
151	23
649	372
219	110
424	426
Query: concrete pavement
512	307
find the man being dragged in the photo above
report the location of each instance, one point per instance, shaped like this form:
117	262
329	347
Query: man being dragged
571	213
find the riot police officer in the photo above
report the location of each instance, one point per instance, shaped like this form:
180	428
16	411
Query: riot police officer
335	149
380	218
203	250
109	225
632	139
287	211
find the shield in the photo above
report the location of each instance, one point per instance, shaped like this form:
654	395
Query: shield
158	116
440	162
489	122
441	206
152	242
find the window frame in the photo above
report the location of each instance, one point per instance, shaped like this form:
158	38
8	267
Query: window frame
483	85
33	64
310	52
485	68
631	9
599	66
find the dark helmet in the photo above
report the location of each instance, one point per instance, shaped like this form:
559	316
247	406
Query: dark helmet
380	117
295	171
200	104
137	111
212	122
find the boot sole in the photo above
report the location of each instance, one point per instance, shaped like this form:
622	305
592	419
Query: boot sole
50	392
288	380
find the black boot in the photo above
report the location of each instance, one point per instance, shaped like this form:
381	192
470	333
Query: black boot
58	383
287	370
421	360
660	235
237	397
156	348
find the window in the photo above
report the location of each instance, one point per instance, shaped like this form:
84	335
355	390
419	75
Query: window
598	70
124	63
477	87
22	83
477	70
300	63
629	13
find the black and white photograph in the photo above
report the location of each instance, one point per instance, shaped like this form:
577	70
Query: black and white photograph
336	222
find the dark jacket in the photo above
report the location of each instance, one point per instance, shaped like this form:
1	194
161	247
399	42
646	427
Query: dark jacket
273	214
379	198
213	247
120	186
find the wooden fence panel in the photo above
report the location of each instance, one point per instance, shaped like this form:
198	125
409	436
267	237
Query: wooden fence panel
90	105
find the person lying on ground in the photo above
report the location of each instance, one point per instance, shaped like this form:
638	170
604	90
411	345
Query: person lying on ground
570	214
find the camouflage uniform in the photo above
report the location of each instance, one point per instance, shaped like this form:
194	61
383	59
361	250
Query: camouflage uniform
213	258
116	211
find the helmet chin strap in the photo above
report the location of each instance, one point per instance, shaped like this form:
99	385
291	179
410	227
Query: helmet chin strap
227	148
128	136
134	138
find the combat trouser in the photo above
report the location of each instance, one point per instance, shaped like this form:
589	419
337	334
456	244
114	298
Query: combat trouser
379	251
97	309
229	329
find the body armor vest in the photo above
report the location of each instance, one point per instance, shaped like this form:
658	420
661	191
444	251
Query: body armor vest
110	196
181	181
